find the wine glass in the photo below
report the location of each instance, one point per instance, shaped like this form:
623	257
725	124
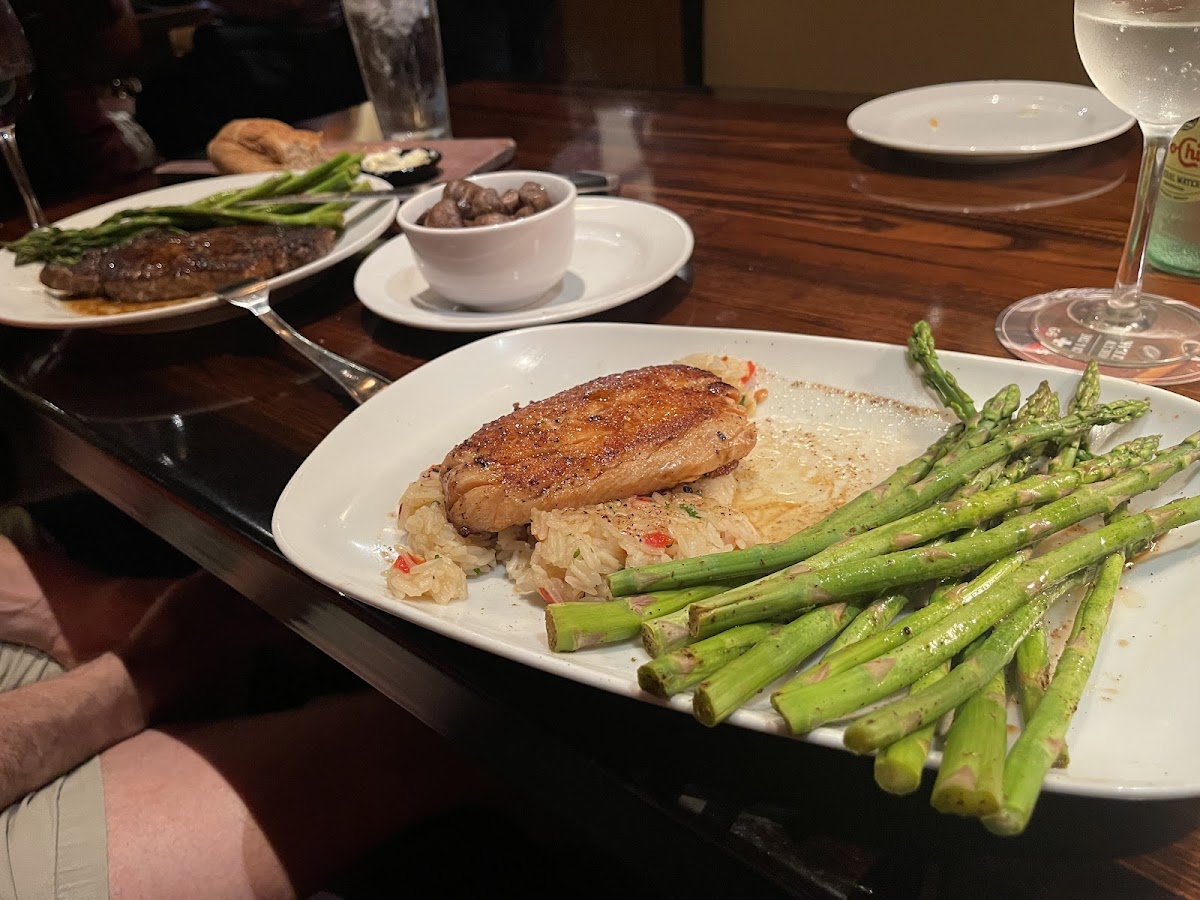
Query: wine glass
1144	56
16	89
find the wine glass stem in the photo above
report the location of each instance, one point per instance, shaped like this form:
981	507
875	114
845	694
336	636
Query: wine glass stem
1126	294
8	140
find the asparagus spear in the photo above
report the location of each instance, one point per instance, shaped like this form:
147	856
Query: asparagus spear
808	706
898	767
60	245
1042	403
274	186
268	187
1042	406
997	411
716	698
325	176
802	589
941	605
1031	670
573	626
304	181
342	180
960	513
971	775
891	723
1087	393
948	597
885	503
264	188
666	634
923	354
1043	738
993	417
192	219
1031	665
672	673
871	620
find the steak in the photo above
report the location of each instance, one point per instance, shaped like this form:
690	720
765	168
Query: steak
611	438
160	265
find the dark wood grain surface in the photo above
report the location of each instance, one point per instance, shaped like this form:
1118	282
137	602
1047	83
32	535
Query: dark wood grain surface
798	228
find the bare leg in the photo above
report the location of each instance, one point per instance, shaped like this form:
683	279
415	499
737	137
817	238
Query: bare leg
269	806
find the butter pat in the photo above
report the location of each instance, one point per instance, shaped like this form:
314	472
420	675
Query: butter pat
395	161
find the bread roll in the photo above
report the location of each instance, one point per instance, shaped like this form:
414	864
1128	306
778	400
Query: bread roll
263	145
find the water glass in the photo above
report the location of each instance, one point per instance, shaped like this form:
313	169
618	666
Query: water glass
399	49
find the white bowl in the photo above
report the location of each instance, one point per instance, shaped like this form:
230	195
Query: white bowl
501	266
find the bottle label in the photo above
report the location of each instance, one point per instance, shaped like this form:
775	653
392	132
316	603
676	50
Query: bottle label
1181	176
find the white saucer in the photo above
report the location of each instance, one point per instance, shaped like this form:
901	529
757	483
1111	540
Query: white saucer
989	121
623	250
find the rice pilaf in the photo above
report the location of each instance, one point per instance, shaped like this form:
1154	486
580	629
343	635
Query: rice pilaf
564	554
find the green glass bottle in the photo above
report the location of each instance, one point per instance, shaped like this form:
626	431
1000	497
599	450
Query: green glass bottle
1175	234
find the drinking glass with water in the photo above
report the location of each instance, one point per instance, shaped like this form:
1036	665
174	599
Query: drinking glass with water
16	90
399	49
1144	56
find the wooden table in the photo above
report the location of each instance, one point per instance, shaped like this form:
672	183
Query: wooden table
798	228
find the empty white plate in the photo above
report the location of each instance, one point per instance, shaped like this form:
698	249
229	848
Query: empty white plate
623	250
989	121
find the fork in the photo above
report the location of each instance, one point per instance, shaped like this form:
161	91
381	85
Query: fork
357	381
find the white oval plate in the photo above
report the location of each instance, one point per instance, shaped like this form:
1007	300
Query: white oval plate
27	303
1136	734
623	249
990	121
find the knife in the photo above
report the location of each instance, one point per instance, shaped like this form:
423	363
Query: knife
319	197
586	182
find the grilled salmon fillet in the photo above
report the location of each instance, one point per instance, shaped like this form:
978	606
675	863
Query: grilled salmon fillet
614	437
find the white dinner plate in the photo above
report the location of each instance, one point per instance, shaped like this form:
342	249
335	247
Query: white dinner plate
26	302
989	121
1137	733
623	250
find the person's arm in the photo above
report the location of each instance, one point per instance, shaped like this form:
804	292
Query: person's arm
54	725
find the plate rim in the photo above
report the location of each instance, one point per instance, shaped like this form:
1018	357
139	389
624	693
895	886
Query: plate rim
385	215
872	106
517	319
825	736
